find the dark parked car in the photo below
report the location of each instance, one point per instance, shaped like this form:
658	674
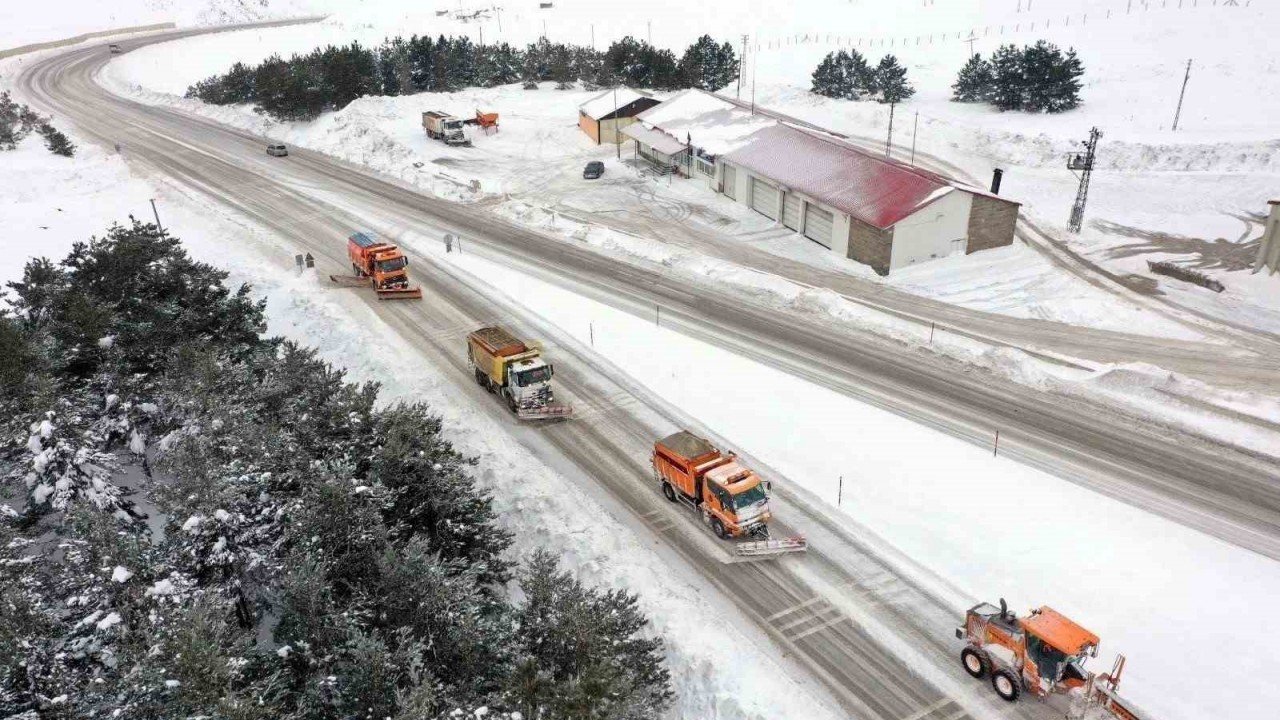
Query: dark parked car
277	150
593	170
114	49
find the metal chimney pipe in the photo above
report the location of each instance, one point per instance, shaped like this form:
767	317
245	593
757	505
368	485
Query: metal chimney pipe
996	176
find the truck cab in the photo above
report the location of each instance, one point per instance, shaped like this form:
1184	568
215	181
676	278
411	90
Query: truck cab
528	382
732	498
454	131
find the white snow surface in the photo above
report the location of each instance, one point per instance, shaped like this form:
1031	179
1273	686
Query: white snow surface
704	120
111	620
610	100
120	574
161	587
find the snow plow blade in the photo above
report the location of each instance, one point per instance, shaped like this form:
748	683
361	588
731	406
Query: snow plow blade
400	293
349	281
545	413
765	548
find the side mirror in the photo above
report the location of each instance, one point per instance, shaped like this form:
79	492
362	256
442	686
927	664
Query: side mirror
406	262
768	487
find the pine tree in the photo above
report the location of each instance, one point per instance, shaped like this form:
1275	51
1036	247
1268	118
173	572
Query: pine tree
828	78
422	59
57	142
860	77
1063	91
975	81
891	81
708	66
587	645
1008	80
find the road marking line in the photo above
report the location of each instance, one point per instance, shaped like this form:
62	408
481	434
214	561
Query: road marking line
917	715
793	608
823	626
957	715
814	615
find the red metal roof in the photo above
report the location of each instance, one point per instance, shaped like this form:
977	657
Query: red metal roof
871	188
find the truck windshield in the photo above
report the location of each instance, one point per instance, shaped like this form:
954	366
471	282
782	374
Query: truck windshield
391	265
529	377
747	498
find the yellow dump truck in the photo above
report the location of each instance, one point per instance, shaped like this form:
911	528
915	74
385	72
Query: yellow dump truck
506	366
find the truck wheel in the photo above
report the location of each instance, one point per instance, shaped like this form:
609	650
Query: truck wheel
511	403
481	380
975	662
1006	684
669	491
356	269
717	527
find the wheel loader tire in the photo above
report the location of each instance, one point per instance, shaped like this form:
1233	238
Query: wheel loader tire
975	662
669	491
717	527
1006	684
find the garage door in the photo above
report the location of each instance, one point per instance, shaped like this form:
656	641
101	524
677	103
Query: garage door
731	181
764	198
791	211
817	225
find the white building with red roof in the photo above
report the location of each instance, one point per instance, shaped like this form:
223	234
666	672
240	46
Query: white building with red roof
859	203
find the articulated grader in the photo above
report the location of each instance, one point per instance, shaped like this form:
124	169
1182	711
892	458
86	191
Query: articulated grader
1043	653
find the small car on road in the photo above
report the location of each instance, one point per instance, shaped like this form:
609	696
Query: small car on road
593	170
114	49
277	151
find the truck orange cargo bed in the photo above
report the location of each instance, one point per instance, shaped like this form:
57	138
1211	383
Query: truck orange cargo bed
498	342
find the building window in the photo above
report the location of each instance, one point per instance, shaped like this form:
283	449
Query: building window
705	166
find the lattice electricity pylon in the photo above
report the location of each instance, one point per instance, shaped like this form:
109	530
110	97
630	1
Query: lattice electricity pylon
1083	163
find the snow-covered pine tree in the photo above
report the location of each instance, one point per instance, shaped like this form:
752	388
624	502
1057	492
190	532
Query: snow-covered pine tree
975	81
1008	82
891	81
462	63
422	59
16	121
828	78
701	65
860	77
1063	90
590	645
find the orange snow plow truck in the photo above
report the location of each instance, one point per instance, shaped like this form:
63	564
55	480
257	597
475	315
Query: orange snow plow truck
729	497
380	265
1043	653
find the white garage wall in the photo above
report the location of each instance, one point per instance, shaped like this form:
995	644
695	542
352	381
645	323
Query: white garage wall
931	232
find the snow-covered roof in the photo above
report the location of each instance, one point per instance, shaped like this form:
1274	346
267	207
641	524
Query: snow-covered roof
870	187
608	101
655	139
704	120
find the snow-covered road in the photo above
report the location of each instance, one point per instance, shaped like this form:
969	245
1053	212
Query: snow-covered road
316	203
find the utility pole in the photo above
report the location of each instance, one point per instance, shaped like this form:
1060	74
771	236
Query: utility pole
888	141
1177	115
914	127
157	214
1083	163
973	38
616	141
741	60
753	84
593	37
481	35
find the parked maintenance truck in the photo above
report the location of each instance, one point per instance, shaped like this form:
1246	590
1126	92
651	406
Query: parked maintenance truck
444	127
728	496
380	265
506	366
